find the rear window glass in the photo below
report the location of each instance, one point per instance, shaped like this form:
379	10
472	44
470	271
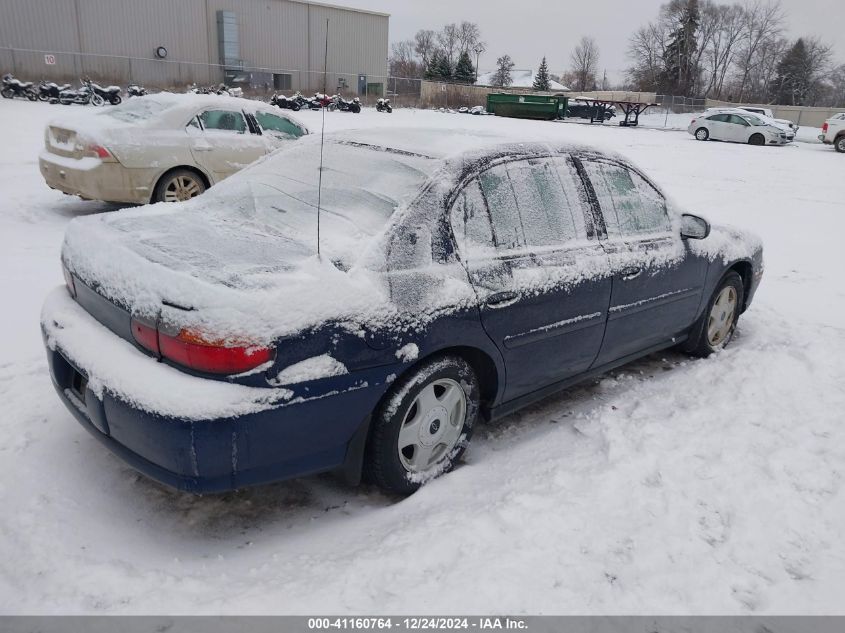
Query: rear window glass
136	110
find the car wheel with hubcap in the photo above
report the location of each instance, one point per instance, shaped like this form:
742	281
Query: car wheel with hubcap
839	144
757	139
716	327
178	186
702	134
422	426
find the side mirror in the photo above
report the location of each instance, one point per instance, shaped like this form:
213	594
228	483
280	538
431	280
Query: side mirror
694	227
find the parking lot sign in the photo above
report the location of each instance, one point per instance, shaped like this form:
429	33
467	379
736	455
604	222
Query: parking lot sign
50	60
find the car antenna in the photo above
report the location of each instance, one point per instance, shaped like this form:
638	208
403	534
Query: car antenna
322	139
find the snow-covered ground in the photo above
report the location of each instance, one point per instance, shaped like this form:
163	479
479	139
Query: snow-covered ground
671	486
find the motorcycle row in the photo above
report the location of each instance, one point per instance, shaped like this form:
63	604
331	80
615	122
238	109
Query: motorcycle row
51	92
319	101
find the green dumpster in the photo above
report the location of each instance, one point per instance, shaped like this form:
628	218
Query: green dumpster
527	106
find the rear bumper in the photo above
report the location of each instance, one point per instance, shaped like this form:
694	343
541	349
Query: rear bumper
93	179
307	431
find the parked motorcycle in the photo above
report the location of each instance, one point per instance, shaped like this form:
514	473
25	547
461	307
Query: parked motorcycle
134	90
110	94
319	100
16	88
383	105
285	103
352	105
49	90
83	95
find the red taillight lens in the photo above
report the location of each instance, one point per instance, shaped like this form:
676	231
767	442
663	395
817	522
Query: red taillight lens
193	350
145	335
693	121
196	352
824	128
100	152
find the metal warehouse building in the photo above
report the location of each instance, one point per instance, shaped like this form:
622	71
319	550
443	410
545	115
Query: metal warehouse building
263	44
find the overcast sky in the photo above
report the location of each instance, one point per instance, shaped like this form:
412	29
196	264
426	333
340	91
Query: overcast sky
529	29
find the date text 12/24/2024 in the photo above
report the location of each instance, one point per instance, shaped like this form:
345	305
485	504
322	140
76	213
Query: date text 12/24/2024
417	623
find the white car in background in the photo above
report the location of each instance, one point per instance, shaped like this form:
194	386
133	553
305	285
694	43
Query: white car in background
767	112
161	148
739	126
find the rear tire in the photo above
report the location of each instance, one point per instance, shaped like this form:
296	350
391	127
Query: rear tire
716	327
757	139
702	134
839	144
422	426
116	100
179	185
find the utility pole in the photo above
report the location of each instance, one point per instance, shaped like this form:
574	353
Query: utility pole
479	48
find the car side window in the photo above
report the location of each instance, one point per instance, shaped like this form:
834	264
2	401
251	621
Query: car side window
718	118
508	231
547	210
278	126
193	124
738	120
471	223
223	120
629	204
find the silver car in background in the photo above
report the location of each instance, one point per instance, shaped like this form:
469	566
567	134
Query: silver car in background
739	126
160	148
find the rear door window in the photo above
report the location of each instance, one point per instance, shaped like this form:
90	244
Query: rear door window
629	204
278	126
223	120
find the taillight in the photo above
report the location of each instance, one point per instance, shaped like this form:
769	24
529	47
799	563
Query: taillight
100	152
693	121
69	282
195	351
145	334
824	128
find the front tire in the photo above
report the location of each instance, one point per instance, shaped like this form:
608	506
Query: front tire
8	93
179	185
716	327
702	134
423	425
97	100
757	139
839	144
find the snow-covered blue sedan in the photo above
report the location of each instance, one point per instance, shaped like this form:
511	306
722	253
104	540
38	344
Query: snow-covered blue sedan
242	337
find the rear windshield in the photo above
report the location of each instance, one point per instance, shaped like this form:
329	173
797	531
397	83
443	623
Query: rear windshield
361	188
136	110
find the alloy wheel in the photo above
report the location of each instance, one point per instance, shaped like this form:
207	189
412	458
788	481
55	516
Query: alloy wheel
181	188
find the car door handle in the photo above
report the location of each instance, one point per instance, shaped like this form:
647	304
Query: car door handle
203	148
631	273
502	299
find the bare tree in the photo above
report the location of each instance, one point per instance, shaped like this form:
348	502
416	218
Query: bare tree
449	42
403	61
646	48
502	77
585	60
763	25
469	35
425	43
720	47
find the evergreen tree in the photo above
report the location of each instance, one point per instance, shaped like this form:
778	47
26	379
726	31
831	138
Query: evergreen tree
444	67
434	70
465	71
542	80
791	86
679	72
502	78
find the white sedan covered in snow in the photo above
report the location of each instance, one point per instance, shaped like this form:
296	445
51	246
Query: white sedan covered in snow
160	148
739	126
